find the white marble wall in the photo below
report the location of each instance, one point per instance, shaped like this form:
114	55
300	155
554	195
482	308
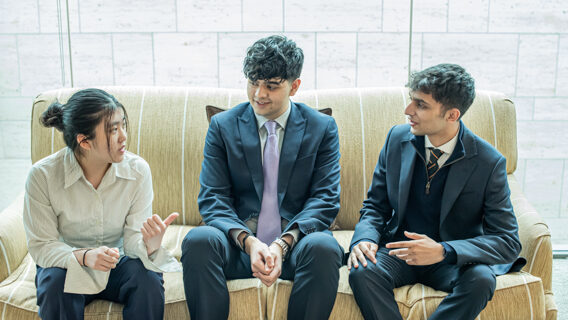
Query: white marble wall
518	47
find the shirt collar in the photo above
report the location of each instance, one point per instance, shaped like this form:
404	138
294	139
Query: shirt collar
71	168
447	147
282	120
74	172
123	169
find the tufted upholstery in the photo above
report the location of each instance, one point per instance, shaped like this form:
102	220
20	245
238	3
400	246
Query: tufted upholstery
168	127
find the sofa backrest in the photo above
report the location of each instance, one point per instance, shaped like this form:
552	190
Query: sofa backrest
168	127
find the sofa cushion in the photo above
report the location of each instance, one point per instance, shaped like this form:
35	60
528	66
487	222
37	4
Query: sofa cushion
18	297
18	291
517	296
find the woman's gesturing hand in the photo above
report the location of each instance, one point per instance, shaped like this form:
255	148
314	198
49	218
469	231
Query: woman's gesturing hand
153	231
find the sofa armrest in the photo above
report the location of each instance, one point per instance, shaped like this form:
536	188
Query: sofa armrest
13	245
535	236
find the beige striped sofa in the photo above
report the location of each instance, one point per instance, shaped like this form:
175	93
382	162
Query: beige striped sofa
168	126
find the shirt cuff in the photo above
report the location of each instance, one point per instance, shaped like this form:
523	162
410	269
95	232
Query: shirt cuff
450	255
295	233
83	280
159	261
235	236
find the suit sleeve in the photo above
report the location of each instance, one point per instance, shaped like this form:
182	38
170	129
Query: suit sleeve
500	242
376	211
322	205
215	200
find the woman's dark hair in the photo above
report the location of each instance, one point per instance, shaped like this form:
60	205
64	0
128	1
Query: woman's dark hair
273	57
81	115
449	85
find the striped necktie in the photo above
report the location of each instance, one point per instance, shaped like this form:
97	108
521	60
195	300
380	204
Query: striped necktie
433	162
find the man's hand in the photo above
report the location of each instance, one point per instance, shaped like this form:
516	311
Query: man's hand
269	279
359	252
420	251
261	260
101	258
153	231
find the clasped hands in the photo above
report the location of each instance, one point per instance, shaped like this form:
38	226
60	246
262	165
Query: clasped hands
420	250
265	261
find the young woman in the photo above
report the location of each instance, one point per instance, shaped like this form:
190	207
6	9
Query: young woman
88	216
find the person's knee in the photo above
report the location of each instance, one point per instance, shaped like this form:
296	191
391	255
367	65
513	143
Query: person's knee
151	284
51	282
361	277
320	255
358	277
480	280
146	282
323	248
150	281
199	241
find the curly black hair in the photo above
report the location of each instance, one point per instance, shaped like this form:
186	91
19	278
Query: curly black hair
449	85
273	57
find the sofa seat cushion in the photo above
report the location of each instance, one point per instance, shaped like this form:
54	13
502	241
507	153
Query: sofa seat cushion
517	296
18	292
417	301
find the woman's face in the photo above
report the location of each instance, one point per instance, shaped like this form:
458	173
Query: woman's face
113	149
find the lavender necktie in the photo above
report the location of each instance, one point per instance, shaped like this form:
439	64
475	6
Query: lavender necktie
269	225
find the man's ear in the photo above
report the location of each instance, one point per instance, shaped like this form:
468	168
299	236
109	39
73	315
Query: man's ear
453	114
295	86
83	142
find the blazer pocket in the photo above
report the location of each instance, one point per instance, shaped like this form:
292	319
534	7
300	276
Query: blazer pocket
305	164
303	157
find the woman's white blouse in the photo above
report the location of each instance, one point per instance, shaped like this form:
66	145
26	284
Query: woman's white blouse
63	213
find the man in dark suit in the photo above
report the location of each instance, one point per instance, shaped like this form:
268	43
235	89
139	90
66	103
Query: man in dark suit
438	209
269	192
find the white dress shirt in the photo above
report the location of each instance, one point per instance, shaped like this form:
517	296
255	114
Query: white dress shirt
447	148
63	212
280	129
281	121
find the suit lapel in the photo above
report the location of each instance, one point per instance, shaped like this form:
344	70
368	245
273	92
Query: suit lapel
293	136
251	147
407	162
459	173
457	178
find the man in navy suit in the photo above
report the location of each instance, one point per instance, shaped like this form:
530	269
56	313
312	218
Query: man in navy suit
438	209
269	192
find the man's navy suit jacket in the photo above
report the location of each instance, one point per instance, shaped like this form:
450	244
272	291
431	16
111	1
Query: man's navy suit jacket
232	180
476	218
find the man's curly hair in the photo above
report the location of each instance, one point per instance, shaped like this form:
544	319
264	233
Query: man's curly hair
273	57
449	85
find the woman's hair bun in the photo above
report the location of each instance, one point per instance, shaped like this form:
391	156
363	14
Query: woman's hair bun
53	116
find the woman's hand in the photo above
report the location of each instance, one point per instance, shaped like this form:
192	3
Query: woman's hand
153	231
101	258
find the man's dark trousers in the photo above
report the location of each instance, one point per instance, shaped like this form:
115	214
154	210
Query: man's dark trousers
209	259
470	287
